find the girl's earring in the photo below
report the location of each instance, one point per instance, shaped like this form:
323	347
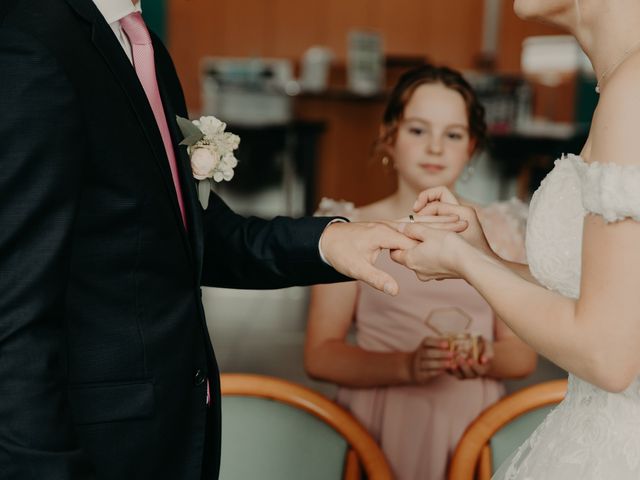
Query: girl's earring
386	161
469	170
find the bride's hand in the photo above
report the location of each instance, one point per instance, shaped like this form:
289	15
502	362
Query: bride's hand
452	223
435	194
437	255
440	201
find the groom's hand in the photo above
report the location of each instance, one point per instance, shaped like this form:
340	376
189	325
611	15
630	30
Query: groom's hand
353	248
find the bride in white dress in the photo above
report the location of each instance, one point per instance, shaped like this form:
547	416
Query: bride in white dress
578	300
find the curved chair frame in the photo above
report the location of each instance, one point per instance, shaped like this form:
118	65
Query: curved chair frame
363	446
474	450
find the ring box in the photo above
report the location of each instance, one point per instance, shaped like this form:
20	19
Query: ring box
452	324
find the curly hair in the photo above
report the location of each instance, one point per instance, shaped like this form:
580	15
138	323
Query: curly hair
429	74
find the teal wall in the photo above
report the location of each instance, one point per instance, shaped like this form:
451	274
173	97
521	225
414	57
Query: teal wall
155	15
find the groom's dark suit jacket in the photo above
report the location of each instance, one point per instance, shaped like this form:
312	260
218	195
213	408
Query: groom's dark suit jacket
103	343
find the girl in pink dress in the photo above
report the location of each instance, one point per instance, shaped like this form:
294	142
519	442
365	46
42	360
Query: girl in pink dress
400	378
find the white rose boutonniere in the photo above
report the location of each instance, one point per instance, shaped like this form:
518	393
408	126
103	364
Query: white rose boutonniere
210	149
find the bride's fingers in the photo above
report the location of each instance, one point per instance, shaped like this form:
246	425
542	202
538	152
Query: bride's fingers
430	219
438	208
442	194
459	226
416	231
433	219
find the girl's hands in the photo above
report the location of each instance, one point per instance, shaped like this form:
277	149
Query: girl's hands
430	359
433	358
468	368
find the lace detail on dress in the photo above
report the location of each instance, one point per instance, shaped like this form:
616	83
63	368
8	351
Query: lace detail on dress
504	224
554	231
335	208
592	434
609	189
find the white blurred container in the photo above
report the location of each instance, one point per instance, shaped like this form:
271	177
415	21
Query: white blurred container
365	62
551	57
247	91
316	63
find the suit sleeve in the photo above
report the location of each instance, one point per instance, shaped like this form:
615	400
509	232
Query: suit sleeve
40	165
251	252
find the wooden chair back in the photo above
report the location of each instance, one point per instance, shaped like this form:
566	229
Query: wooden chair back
363	452
472	458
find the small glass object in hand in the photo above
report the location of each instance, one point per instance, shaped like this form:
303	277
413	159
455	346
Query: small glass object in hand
452	324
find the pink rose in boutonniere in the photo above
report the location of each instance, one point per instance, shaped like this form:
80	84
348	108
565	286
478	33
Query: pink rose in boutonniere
210	149
203	163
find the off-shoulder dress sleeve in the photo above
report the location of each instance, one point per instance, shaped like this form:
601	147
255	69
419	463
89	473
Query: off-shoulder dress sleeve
610	190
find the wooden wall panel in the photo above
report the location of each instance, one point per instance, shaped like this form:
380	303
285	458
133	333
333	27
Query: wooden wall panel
347	169
408	33
512	32
456	32
286	28
192	35
291	28
343	16
247	27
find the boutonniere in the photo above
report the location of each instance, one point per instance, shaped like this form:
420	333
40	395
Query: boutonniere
210	149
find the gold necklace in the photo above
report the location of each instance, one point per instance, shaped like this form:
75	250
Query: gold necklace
611	69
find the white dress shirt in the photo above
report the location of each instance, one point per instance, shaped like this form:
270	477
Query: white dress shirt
113	11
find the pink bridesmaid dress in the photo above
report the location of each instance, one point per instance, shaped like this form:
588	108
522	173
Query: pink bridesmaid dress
418	427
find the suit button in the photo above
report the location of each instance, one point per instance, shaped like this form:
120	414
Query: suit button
199	377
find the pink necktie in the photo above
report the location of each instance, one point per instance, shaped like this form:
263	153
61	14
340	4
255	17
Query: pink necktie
143	61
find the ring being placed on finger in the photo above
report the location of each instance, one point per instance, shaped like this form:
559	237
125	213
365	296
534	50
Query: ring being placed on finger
411	218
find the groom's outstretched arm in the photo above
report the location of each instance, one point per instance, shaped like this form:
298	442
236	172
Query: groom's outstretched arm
252	252
255	253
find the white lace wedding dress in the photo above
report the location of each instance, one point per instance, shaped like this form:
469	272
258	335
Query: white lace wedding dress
592	434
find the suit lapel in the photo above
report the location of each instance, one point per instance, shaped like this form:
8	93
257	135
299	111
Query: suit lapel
106	43
188	183
108	46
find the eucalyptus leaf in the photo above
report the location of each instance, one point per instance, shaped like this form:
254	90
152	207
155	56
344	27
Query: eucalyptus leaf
192	139
204	191
187	127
